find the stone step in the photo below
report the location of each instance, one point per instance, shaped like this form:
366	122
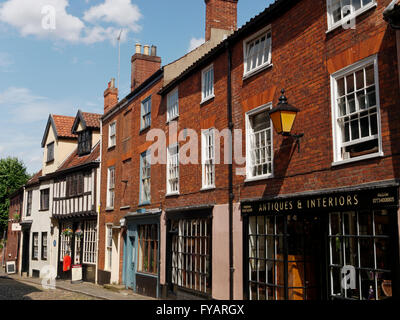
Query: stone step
114	287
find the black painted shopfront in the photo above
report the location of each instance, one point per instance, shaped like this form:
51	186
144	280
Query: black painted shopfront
322	246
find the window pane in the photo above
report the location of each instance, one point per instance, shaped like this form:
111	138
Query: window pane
350	83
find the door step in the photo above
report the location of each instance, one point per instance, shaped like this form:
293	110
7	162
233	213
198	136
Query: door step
114	287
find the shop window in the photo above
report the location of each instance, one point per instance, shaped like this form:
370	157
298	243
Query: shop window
148	249
361	240
65	240
191	256
89	242
356	111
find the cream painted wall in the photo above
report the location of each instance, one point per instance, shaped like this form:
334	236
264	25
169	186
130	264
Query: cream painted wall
62	149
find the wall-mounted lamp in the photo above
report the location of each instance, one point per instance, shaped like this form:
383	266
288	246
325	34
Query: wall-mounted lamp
283	117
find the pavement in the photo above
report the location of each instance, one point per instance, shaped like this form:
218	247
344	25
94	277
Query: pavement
15	287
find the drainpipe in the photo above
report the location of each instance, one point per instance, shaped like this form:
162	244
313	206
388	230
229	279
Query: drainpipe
230	166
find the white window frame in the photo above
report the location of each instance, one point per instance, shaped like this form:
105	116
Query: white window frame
112	137
173	105
263	32
206	158
249	131
333	25
204	73
143	156
144	115
169	163
110	188
336	131
109	249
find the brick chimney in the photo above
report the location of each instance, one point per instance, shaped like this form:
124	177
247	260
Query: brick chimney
144	64
220	14
110	96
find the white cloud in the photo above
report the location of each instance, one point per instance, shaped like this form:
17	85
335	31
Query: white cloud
195	42
103	21
26	16
120	12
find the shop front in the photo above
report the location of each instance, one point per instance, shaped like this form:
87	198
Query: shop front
189	252
142	254
77	250
322	246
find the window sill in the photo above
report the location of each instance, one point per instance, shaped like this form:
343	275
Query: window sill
43	210
144	129
207	99
365	157
110	209
265	177
256	71
172	119
147	274
48	162
110	148
144	204
172	194
352	16
124	207
207	188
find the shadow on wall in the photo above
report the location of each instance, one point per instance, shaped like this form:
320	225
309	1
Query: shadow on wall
14	290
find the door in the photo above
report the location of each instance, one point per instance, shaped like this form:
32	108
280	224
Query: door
115	257
305	258
131	263
25	252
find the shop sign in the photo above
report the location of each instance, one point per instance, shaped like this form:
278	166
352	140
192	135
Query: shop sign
15	227
354	200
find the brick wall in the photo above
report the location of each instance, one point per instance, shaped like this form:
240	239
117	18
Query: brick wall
220	14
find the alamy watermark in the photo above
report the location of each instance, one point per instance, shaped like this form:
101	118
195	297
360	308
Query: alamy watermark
49	18
48	275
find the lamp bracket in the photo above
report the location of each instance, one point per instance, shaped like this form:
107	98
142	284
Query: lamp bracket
296	136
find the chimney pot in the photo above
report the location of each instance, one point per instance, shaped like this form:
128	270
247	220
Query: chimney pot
154	51
146	50
138	48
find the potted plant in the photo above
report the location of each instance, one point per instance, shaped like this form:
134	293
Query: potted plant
16	217
79	233
67	232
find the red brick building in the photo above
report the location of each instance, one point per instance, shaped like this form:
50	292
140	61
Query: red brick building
11	253
280	222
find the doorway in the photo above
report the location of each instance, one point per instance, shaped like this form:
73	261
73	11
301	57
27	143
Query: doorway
131	263
25	252
115	256
286	257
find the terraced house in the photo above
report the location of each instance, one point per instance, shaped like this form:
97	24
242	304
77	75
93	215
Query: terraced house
61	201
313	190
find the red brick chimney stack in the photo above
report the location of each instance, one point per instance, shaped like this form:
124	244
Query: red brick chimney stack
143	64
110	96
220	14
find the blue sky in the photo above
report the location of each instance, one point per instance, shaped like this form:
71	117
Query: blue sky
64	69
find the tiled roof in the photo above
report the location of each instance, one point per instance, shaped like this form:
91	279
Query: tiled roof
92	119
75	160
63	126
35	178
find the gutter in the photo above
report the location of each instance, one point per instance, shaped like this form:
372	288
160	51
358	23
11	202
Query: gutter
230	168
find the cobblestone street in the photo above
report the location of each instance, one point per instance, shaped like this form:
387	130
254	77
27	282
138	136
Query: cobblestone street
11	289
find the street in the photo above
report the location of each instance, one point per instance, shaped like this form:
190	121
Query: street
11	289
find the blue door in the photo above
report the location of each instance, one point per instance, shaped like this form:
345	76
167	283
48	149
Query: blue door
131	263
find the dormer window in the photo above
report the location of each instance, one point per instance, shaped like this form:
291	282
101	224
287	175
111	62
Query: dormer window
84	142
50	152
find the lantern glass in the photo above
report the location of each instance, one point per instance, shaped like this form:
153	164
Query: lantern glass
288	118
276	120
